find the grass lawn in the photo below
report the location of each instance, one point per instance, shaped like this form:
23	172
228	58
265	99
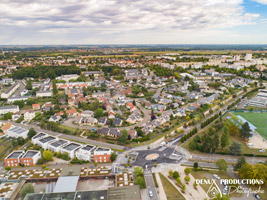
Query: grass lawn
171	192
258	119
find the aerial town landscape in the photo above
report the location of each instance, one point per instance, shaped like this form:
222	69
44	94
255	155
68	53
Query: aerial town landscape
128	123
133	100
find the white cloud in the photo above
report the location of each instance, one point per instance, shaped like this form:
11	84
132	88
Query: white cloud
261	1
121	17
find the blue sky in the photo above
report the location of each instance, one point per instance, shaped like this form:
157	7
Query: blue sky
36	22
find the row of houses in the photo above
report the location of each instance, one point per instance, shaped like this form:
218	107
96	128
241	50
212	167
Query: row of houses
82	152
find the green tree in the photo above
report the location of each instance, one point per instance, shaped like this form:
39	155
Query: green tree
195	166
170	173
8	116
124	136
113	156
221	164
29	84
140	181
175	175
139	171
48	155
187	179
99	113
31	133
235	148
215	142
245	131
187	170
55	90
240	162
224	140
27	189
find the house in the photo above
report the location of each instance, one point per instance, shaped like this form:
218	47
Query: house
117	122
114	132
7	93
102	121
17	131
35	106
43	93
70	149
13	159
57	145
102	155
94	73
7	109
45	141
132	134
88	121
37	137
29	115
55	118
30	158
72	112
16	116
6	126
86	153
103	131
111	115
87	113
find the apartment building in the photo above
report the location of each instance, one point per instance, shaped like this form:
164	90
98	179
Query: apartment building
102	155
13	159
30	158
85	153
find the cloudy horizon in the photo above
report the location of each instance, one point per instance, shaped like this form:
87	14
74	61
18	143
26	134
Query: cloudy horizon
67	22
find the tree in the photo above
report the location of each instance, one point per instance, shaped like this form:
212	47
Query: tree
31	133
140	181
233	129
27	189
195	166
48	155
8	116
235	148
178	180
224	140
155	164
175	174
245	131
215	142
124	137
29	84
240	162
187	179
113	156
139	171
187	170
221	164
99	113
55	90
170	173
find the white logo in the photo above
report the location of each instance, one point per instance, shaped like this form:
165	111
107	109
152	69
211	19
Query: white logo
214	191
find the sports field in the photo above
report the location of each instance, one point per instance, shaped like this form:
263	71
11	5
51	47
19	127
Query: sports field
258	119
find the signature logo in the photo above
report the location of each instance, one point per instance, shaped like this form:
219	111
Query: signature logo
214	191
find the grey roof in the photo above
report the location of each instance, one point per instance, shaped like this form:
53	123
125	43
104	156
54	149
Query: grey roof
47	139
17	130
66	184
88	147
15	154
58	143
71	146
39	135
8	107
30	154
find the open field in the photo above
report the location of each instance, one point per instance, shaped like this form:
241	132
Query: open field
258	119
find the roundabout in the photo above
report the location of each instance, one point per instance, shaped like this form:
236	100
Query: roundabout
152	156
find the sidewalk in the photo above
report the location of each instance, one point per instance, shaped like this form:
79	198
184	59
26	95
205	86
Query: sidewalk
162	195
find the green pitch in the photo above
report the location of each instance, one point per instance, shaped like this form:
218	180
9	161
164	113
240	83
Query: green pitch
257	119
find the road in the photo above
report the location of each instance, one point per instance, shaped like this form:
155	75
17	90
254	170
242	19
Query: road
70	137
150	184
20	89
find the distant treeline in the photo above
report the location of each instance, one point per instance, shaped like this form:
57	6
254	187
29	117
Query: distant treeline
45	71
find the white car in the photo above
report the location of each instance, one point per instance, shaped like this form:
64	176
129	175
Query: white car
150	193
